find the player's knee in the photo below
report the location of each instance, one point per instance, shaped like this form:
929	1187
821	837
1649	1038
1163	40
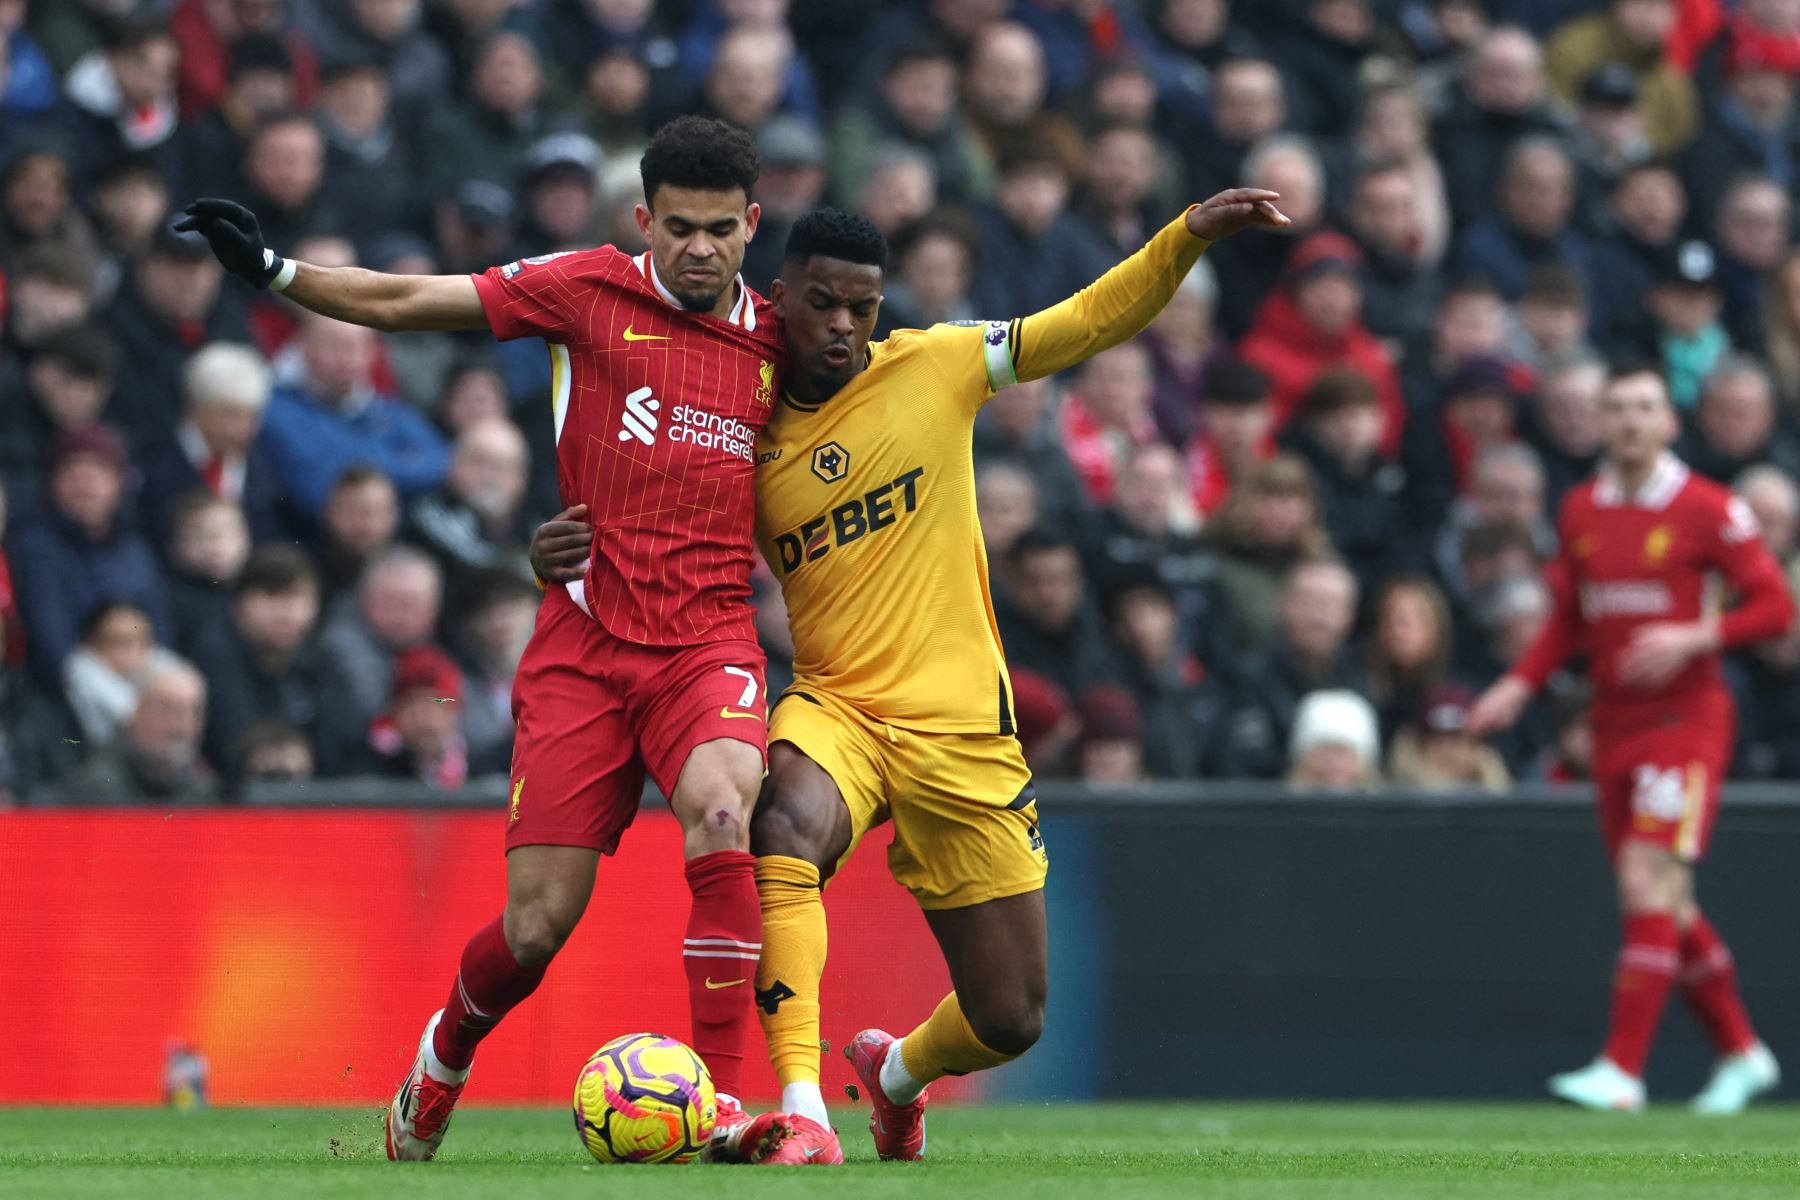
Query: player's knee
1648	883
778	827
1011	1028
536	931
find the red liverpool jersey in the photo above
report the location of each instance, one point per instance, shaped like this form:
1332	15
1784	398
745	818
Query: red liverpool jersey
656	414
1629	561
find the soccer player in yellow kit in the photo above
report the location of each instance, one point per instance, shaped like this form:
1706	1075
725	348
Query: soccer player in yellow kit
901	708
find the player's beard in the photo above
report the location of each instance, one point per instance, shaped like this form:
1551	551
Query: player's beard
696	302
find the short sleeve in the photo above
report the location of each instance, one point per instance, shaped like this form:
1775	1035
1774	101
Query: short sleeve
977	358
542	296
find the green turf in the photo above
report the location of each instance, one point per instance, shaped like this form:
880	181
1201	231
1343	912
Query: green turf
1258	1151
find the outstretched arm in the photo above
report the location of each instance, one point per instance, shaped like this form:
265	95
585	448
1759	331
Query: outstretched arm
1117	306
388	302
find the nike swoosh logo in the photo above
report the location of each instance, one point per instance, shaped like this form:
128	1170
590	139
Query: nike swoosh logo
711	986
643	337
813	1153
729	715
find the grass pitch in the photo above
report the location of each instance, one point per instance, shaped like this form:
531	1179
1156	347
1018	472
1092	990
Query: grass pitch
1045	1152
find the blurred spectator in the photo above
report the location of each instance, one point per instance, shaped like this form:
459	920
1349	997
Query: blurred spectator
1182	704
1400	287
717	29
214	448
386	32
475	522
261	662
368	154
1337	432
1249	104
417	737
1148	532
1119	198
1530	225
129	202
1006	502
746	82
1268	525
1111	749
1632	35
260	83
1391	134
1033	253
933	268
1251	270
901	188
497	621
209	542
621	86
1187	46
1333	746
49	288
1409	648
122	99
1181	344
1309	650
68	384
1048	724
324	416
157	759
915	104
361	519
1477	411
1004	83
1748	127
486	135
273	752
396	607
1553	318
37	203
1755	223
1107	416
209	32
1470	322
170	306
1435	749
1506	485
1608	138
792	184
285	182
1781	330
104	674
1563	424
28	83
1773	496
1736	426
1501	99
1685	305
1313	322
1048	621
1016	425
78	551
1237	429
1323	47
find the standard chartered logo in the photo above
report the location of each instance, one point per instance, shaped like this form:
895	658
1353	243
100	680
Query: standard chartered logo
640	417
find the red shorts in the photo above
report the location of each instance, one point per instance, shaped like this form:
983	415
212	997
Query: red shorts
592	712
1658	774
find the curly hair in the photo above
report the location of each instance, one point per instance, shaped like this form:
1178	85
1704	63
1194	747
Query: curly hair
834	233
701	153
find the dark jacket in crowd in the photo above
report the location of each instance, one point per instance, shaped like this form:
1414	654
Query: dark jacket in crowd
243	690
1365	510
1267	689
62	574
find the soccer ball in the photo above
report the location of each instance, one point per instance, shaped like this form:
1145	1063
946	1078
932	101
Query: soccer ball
644	1098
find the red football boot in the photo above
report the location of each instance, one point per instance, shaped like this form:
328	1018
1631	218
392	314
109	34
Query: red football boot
809	1145
739	1137
899	1129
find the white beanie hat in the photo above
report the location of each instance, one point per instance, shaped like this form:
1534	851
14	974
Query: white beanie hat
1335	715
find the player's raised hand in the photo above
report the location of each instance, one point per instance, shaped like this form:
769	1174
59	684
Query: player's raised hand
1658	651
561	545
1499	706
236	238
1233	210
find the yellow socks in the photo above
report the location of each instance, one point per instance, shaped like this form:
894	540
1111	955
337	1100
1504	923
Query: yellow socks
943	1045
793	959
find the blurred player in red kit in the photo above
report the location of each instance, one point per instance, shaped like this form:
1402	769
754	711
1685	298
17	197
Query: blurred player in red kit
664	368
1644	545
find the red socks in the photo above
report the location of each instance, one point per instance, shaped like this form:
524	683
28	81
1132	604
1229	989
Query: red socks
1646	971
1710	986
490	984
724	940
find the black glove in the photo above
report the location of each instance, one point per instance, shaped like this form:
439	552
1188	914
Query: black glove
236	239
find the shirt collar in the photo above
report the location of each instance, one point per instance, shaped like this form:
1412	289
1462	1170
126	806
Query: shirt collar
743	313
1665	480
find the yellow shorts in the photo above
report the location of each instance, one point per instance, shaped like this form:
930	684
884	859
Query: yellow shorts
963	805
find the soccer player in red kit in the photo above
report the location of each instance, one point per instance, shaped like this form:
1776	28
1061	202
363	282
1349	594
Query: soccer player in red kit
1643	546
664	367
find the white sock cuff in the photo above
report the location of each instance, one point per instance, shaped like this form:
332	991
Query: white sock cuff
895	1079
805	1099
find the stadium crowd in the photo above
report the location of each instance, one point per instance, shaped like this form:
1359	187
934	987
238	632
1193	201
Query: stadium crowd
1285	534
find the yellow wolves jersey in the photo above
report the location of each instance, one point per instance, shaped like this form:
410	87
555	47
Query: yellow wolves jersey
865	504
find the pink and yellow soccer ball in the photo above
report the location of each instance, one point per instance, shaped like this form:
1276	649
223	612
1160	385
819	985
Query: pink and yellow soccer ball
644	1098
